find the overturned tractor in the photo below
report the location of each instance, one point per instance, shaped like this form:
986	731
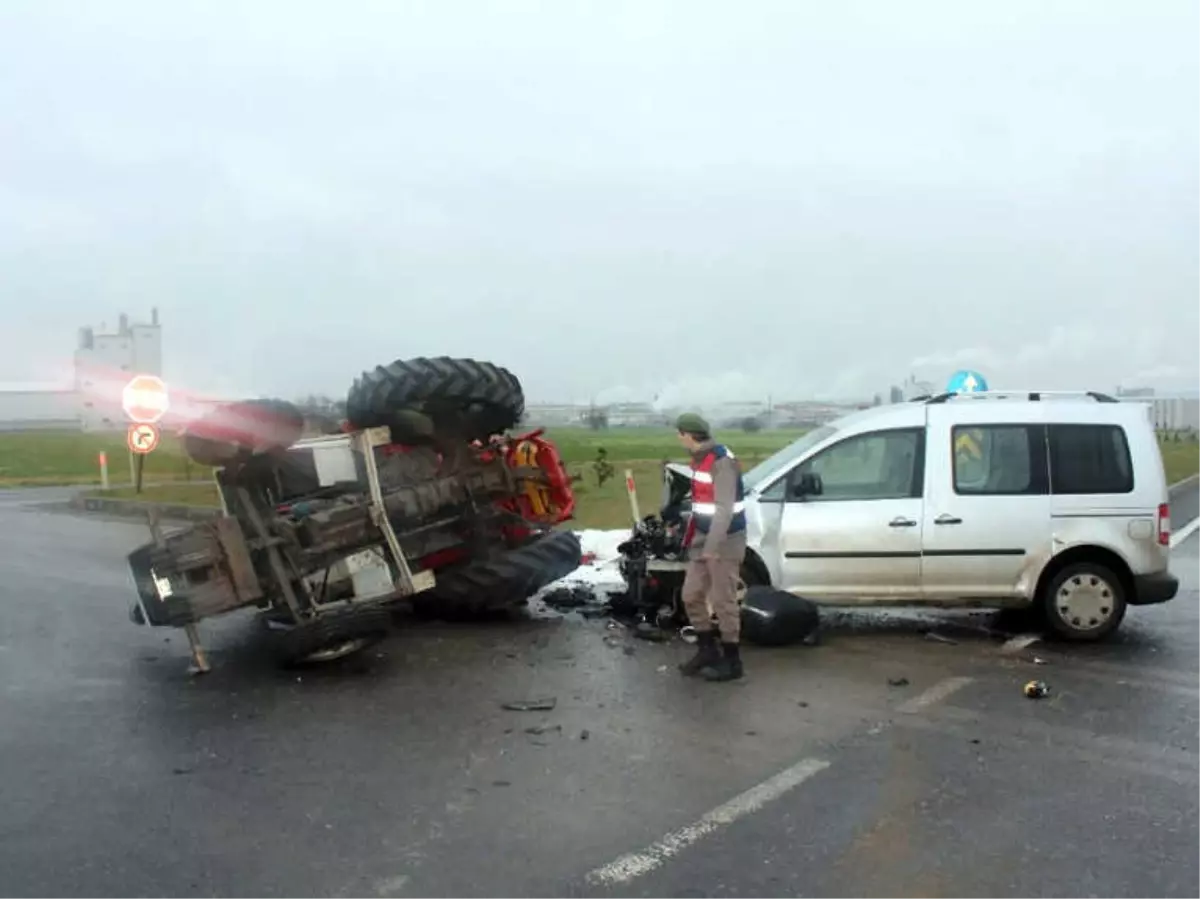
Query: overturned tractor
423	496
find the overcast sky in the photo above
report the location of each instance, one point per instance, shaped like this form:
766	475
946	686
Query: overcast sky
696	199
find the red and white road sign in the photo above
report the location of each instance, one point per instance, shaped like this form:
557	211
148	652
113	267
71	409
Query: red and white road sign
144	399
142	438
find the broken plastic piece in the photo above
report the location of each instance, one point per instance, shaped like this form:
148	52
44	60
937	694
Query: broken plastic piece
1037	689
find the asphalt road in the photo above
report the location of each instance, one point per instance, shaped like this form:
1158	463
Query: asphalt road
823	773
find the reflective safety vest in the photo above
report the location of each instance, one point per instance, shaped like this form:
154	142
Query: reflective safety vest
704	505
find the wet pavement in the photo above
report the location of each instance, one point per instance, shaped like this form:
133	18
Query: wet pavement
879	762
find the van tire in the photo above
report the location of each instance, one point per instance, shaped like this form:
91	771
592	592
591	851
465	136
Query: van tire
1084	602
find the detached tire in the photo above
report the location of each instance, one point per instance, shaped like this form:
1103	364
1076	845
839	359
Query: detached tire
1084	602
333	635
487	586
235	430
475	399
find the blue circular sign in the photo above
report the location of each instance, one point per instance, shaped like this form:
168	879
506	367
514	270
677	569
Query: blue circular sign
966	381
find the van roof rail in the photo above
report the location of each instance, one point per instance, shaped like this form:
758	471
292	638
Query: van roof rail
1031	395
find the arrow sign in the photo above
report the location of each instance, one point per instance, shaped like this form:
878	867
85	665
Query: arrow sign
142	438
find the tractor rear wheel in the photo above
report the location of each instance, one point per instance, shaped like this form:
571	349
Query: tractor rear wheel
463	398
487	586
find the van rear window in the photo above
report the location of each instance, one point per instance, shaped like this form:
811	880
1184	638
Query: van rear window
1089	459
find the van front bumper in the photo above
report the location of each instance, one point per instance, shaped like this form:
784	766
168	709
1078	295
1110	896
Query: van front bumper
1149	589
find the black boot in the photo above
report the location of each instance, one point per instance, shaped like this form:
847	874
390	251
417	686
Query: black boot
727	667
706	654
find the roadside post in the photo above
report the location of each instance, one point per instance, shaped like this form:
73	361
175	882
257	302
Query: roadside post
103	470
631	489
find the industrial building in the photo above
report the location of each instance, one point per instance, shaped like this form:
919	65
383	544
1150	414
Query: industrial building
103	363
1176	413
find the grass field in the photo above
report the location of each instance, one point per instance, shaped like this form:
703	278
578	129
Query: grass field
46	458
70	458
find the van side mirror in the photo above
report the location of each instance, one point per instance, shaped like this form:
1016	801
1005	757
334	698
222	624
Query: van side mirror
806	485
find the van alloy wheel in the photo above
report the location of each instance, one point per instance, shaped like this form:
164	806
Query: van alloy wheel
1085	601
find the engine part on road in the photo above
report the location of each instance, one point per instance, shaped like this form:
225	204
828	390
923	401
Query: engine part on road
777	618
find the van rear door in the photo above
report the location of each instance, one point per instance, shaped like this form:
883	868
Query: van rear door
1107	486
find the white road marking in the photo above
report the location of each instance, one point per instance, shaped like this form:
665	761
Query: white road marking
636	864
937	693
1184	532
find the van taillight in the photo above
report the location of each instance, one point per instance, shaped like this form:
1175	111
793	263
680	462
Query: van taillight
1164	525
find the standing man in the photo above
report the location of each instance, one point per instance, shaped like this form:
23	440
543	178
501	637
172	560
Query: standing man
716	544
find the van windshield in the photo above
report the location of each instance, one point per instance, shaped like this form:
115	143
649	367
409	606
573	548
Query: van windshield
787	455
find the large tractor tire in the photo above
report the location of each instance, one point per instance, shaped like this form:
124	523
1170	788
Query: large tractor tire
333	635
462	397
235	430
487	586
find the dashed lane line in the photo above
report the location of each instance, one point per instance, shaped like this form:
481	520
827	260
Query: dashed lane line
633	865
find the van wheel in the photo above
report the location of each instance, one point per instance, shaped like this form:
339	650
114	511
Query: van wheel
1084	602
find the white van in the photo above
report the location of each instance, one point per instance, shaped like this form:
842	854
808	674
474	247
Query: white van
996	499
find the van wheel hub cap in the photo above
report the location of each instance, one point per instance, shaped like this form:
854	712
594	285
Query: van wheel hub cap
1085	601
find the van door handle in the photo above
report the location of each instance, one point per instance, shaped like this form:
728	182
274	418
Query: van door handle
944	518
902	523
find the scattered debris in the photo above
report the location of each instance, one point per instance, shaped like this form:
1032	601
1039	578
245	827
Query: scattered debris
802	704
628	650
181	770
501	783
647	631
935	637
583	734
751	733
975	740
538	729
544	704
897	681
1019	642
1037	689
571	597
662	669
1037	660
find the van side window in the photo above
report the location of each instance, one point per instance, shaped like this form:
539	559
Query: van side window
1089	459
999	460
879	465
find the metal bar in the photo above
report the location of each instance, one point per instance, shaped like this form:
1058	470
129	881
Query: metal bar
199	659
1032	395
366	442
276	563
